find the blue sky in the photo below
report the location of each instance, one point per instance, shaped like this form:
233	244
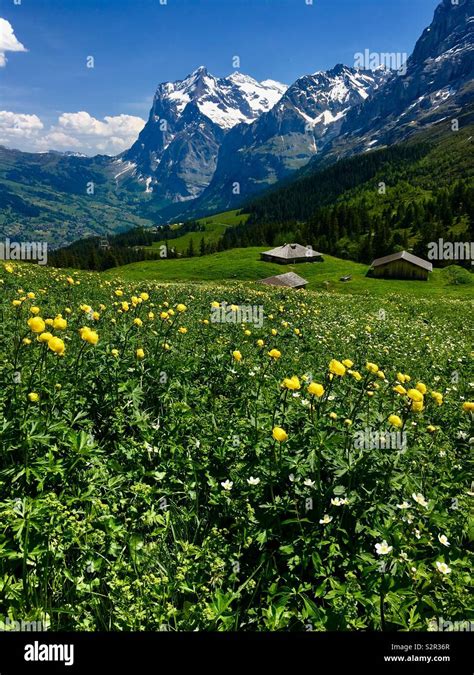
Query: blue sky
138	43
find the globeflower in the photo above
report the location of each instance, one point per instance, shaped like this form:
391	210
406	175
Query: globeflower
421	387
417	406
395	421
337	368
44	337
291	383
140	353
237	355
372	367
89	335
260	343
348	363
59	323
35	310
316	389
400	390
57	346
438	397
274	353
181	308
415	395
36	324
138	322
279	434
182	330
33	397
468	406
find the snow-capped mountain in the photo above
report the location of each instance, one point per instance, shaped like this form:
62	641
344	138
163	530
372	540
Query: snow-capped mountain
436	86
175	154
284	139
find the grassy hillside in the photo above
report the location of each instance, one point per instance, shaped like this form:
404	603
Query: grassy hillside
245	265
214	228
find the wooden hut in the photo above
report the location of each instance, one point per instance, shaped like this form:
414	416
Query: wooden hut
291	253
402	265
288	280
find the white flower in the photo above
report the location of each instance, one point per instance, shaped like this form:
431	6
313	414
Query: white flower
383	548
337	501
442	453
227	485
419	499
253	481
442	538
417	534
304	402
403	505
325	520
404	556
308	482
442	567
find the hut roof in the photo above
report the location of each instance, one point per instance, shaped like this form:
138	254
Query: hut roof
404	255
290	280
289	251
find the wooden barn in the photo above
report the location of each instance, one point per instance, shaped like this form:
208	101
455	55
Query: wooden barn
288	280
402	265
290	254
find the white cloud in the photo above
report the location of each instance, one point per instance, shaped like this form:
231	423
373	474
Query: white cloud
73	131
8	41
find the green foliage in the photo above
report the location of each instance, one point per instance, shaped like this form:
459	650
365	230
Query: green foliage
149	493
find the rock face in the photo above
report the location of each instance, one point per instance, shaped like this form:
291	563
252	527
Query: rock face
176	152
436	84
284	139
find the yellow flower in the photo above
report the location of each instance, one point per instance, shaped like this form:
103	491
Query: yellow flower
26	341
395	421
348	363
247	332
31	296
333	415
400	390
381	374
279	434
417	406
36	324
181	307
215	304
140	354
183	330
237	355
355	374
431	428
138	322
372	367
468	406
45	337
9	269
437	397
57	346
89	335
336	368
415	395
16	303
348	422
151	316
144	296
273	353
260	343
316	389
421	387
125	306
401	378
49	322
70	280
115	352
59	323
164	316
291	383
33	396
35	310
118	293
